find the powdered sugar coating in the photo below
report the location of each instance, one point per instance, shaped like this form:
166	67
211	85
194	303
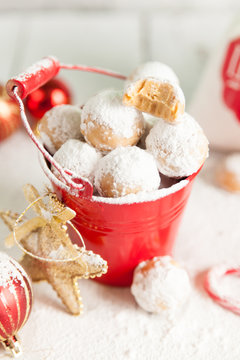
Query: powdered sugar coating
131	168
140	197
180	149
106	109
149	121
160	285
232	164
59	124
78	157
10	271
153	69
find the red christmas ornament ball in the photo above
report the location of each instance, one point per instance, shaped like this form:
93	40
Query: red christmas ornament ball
15	301
9	115
55	92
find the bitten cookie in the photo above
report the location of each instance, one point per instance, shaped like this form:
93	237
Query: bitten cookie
58	125
78	157
107	123
159	98
179	149
126	170
160	285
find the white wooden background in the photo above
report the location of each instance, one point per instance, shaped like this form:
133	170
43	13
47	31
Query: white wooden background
117	39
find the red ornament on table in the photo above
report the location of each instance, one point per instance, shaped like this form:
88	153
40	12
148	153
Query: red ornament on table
9	115
54	92
15	302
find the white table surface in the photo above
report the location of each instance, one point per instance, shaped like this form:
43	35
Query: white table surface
113	326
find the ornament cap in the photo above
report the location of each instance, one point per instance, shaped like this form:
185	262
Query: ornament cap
12	345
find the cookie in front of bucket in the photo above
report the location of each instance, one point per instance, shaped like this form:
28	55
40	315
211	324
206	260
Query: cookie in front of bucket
228	173
126	170
161	286
107	123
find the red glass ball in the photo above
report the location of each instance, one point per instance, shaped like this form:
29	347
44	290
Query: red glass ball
15	297
55	92
9	115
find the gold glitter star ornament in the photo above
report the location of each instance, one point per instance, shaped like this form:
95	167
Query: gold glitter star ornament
49	253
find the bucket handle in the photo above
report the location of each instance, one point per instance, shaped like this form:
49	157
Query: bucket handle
34	77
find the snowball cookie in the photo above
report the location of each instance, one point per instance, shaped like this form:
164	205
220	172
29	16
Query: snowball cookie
160	98
126	170
78	157
160	285
154	69
107	124
149	121
228	174
179	149
58	125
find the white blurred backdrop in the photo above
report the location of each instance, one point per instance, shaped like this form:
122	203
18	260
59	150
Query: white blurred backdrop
114	34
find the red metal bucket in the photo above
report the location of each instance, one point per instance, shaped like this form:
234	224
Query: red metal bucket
122	233
126	234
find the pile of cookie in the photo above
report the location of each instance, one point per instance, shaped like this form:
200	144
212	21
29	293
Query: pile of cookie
124	141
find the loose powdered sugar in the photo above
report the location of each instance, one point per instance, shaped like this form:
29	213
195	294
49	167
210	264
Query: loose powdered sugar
180	149
160	286
78	157
153	69
106	109
63	123
129	166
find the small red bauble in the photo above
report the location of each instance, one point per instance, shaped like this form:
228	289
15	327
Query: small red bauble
15	301
55	92
9	115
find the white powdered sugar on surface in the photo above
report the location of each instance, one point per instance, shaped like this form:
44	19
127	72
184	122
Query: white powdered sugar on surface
9	272
63	123
129	166
232	164
163	288
78	157
180	148
106	109
153	69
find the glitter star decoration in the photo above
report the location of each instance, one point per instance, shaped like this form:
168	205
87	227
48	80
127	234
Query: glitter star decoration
45	237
